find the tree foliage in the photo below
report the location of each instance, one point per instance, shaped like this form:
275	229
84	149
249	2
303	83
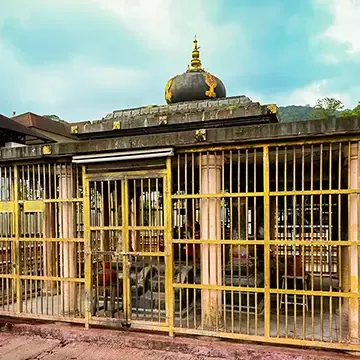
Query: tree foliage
353	112
52	117
325	108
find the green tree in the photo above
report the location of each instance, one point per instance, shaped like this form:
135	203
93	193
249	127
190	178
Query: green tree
327	108
53	117
353	112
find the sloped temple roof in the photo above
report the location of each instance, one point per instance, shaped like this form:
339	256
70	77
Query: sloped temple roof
11	131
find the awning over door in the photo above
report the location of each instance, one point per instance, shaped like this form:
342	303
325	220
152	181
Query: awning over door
124	156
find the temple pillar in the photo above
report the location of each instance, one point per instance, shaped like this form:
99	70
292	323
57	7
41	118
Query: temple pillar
354	250
67	249
350	255
210	225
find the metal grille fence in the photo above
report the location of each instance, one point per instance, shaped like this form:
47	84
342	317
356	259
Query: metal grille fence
42	241
245	242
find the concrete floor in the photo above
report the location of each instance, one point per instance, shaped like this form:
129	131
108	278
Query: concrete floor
30	341
26	348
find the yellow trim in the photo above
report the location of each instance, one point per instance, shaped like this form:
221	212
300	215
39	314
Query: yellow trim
211	82
7	206
168	93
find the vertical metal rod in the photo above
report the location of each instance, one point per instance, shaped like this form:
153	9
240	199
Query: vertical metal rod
267	298
329	248
87	248
17	240
294	237
321	247
126	262
277	247
286	246
255	295
302	234
340	248
169	257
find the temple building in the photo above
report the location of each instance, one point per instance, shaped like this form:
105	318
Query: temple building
206	215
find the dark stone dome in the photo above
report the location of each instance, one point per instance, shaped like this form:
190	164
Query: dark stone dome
194	84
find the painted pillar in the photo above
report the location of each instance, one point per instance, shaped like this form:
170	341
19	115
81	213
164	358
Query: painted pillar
68	249
353	237
210	227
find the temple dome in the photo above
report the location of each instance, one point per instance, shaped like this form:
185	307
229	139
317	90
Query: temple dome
194	84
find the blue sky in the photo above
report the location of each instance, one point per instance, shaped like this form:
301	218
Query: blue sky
81	59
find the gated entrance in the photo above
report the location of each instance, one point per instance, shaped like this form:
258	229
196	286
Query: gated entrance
130	247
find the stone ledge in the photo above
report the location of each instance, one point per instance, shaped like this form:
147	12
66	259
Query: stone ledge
181	112
279	132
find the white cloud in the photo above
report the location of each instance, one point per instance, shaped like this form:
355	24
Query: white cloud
345	28
52	88
165	27
310	94
169	25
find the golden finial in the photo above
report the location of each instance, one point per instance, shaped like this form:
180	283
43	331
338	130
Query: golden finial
195	63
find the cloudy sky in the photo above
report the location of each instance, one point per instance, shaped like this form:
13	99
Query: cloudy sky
81	59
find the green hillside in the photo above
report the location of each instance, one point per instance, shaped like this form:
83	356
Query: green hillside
296	112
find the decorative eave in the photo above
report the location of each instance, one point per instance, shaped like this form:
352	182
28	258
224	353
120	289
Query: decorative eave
150	117
267	133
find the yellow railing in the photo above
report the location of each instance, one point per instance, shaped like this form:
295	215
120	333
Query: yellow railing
255	242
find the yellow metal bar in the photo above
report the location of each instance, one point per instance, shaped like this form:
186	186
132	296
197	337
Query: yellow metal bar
126	248
87	249
7	206
100	228
267	299
143	228
19	299
147	228
219	195
218	242
135	324
315	293
54	201
169	258
134	253
218	287
311	243
275	340
59	318
315	192
52	278
37	239
40	277
63	200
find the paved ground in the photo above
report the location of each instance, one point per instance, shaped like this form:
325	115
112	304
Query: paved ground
36	341
26	348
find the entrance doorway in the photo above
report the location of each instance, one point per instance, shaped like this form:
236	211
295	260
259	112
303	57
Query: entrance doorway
128	247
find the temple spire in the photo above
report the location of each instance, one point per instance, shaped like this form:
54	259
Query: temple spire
195	63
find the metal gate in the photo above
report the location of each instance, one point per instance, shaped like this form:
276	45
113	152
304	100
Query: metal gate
129	248
245	242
